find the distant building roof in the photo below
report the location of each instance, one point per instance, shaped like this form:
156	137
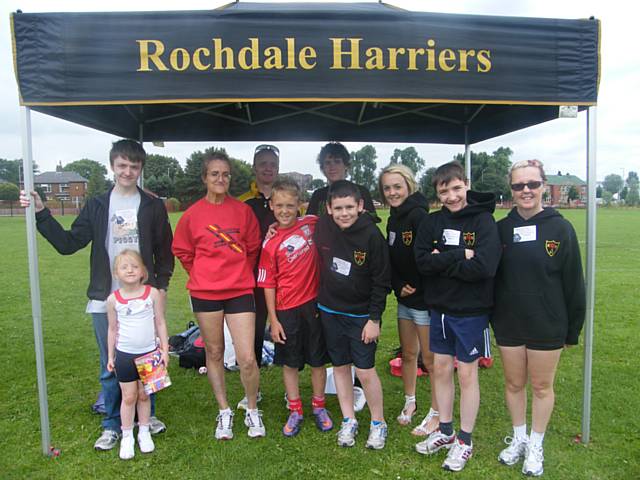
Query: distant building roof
59	177
565	180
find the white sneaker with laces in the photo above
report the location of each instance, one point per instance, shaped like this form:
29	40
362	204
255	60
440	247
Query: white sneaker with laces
515	450
224	427
107	440
422	430
377	436
244	403
434	442
348	432
156	426
533	461
253	420
458	456
126	448
145	442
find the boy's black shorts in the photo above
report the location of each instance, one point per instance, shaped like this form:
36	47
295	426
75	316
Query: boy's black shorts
344	341
305	339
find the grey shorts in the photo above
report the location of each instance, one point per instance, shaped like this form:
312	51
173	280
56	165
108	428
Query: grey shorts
419	317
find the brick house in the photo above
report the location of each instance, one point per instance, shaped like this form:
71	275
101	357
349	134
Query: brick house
62	185
557	189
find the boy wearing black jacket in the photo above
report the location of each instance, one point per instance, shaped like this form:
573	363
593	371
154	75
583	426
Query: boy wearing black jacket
457	251
354	283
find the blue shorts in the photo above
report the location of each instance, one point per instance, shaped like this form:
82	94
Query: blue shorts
419	317
467	338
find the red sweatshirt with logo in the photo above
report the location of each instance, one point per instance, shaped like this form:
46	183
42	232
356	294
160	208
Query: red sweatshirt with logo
218	245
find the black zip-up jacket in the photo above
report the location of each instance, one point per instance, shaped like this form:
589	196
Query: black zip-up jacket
154	236
355	273
453	284
402	230
540	291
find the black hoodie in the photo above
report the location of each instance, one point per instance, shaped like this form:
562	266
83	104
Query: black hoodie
540	293
453	284
402	230
354	272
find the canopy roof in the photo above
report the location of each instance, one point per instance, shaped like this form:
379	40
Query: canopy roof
308	71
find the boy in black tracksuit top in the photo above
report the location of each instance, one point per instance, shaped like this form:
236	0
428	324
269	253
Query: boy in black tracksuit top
457	251
354	283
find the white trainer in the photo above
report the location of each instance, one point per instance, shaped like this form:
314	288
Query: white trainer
377	436
126	448
533	461
224	427
348	432
435	442
515	450
458	456
145	442
253	420
244	403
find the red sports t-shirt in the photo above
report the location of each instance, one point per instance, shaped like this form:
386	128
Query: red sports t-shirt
289	263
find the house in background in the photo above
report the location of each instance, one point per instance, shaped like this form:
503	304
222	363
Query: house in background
62	185
557	189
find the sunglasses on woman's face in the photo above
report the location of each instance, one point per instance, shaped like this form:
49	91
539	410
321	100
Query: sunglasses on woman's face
518	187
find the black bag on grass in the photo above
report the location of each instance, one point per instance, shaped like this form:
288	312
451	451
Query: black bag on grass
189	347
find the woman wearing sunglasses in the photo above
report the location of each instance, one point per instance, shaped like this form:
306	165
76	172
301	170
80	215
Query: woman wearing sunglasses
539	309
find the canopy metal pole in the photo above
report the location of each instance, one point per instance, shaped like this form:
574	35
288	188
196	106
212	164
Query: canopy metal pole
467	154
34	279
141	140
591	271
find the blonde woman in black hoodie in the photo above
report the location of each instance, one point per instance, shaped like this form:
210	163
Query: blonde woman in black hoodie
539	310
408	209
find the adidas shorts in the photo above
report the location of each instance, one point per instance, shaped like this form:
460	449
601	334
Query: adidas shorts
467	338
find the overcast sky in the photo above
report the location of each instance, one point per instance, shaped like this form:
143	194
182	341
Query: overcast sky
560	144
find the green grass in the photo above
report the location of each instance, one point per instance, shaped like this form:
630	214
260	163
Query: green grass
188	450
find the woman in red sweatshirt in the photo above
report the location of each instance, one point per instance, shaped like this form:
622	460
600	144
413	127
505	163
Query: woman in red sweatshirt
217	241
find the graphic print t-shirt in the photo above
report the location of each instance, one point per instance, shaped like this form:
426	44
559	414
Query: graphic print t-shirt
122	233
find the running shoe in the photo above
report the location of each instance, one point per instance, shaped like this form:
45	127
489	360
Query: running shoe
253	420
292	427
434	442
244	403
514	452
107	440
323	420
126	448
533	461
377	436
348	432
458	456
224	426
145	442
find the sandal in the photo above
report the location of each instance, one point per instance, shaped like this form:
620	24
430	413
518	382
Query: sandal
404	418
423	430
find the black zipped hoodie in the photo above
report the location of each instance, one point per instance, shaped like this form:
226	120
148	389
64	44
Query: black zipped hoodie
154	232
453	284
540	291
402	230
355	273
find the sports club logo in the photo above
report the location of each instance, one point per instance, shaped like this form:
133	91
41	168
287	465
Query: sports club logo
469	238
359	257
552	247
407	237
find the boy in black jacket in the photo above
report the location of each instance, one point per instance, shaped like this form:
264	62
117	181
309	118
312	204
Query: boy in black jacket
457	251
125	217
354	283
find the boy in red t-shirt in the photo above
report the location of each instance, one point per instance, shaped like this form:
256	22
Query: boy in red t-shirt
288	272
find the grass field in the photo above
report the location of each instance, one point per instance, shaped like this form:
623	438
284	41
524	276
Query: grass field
188	450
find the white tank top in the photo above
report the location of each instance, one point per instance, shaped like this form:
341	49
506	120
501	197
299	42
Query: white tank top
136	327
